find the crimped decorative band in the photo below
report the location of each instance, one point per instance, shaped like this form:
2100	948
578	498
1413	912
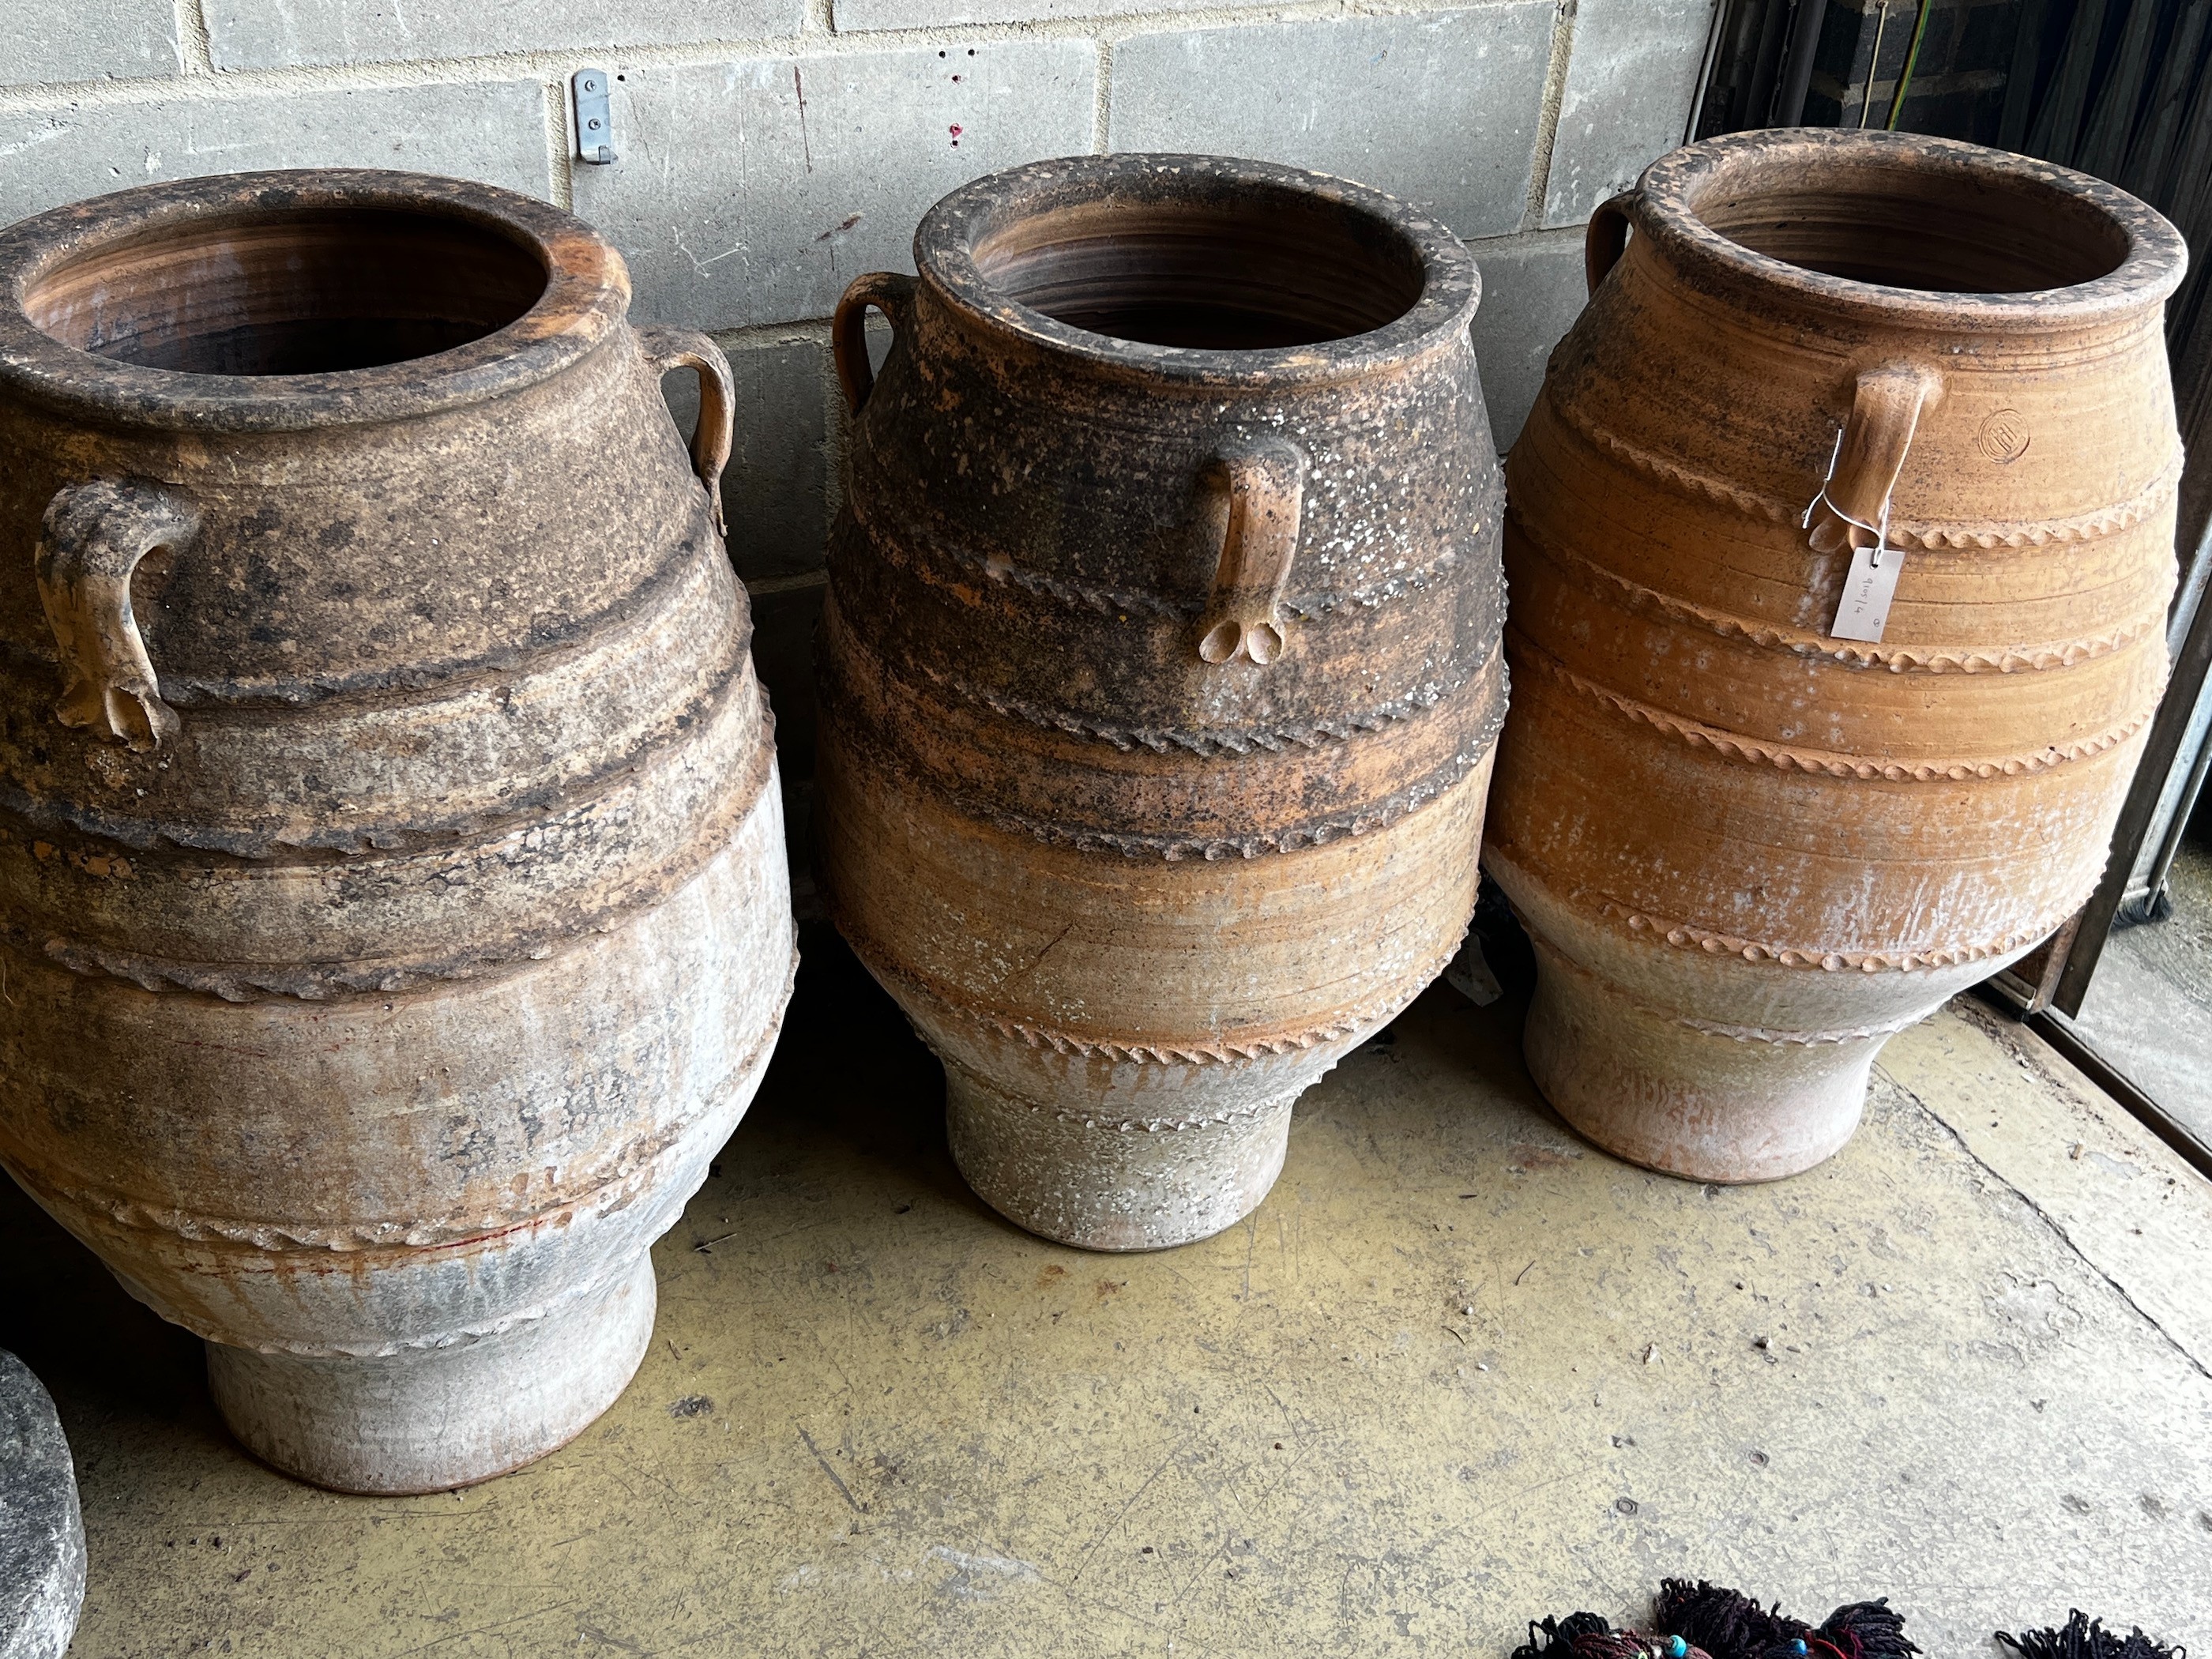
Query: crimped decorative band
1639	600
318	982
1688	936
1168	1051
908	538
1206	742
1316	832
1754	751
1928	534
280	1237
1556	960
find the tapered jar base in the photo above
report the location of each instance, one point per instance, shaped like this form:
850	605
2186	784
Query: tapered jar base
426	1420
1079	1175
1672	1096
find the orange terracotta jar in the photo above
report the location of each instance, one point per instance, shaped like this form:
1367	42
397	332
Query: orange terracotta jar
1756	820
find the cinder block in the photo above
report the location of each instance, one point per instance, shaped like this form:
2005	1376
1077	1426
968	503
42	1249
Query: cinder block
1630	76
269	34
493	131
99	40
753	191
1438	107
773	488
1532	292
855	15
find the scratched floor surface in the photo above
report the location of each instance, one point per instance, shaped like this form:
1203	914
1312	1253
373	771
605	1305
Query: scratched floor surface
1459	1371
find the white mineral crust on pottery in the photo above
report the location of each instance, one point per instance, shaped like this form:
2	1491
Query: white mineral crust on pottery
1159	667
394	904
1756	817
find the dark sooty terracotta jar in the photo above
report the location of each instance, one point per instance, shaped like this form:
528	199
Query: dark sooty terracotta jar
1160	668
392	899
1841	542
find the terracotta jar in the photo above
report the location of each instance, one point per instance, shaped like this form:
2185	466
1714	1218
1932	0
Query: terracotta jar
393	907
1753	825
1160	667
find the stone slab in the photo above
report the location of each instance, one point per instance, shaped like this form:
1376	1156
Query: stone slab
751	192
494	131
271	34
1438	107
41	1532
96	40
860	15
1630	76
1458	1371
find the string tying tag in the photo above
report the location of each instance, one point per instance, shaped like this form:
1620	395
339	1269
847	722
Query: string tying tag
1871	583
1850	512
1879	530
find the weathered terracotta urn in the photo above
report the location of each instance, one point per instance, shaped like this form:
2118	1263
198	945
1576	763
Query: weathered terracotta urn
393	909
1160	667
1840	546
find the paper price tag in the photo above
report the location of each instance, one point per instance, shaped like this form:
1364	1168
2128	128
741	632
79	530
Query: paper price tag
1868	591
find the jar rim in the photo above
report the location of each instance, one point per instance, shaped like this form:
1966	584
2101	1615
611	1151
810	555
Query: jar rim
586	297
1664	205
946	244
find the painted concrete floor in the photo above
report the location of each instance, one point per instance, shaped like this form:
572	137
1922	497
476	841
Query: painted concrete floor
1460	1370
2149	1007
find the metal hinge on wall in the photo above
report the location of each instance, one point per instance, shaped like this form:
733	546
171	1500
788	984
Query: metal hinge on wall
595	129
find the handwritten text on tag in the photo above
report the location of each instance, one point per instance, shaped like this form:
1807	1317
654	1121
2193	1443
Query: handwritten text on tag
1868	591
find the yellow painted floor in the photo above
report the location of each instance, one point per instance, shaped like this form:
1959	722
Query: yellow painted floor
1460	1370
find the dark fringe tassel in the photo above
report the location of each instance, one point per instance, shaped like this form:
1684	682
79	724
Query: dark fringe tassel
1725	1623
1729	1624
1589	1636
1579	1636
1866	1629
2084	1637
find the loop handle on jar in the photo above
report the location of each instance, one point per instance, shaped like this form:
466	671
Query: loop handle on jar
889	292
1606	238
667	348
90	544
1852	509
1244	615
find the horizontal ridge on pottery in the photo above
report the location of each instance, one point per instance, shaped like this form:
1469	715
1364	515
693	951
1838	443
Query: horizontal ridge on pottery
1753	752
2106	521
1905	817
1158	683
410	810
1969	659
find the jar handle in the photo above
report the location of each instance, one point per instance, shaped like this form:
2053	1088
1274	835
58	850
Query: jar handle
90	543
1853	508
667	348
889	292
1267	490
1606	238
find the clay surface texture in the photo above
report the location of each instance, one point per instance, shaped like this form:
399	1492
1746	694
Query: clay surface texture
1160	667
1840	544
393	906
41	1530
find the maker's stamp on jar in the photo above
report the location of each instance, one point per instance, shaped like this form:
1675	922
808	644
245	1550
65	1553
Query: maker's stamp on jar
2004	437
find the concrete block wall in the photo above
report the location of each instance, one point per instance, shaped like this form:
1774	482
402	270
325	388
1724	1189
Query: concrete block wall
770	150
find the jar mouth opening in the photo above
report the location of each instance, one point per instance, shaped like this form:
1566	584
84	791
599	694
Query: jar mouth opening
263	291
1929	232
293	298
1204	269
1266	269
1870	216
